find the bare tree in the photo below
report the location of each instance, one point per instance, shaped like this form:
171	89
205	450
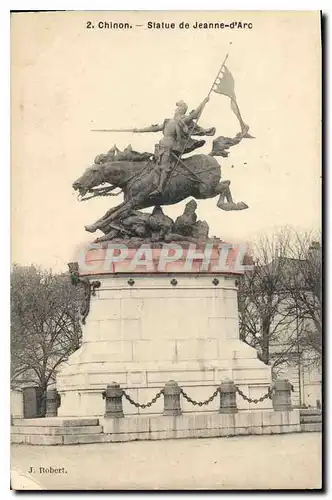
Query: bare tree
45	327
280	299
304	287
261	296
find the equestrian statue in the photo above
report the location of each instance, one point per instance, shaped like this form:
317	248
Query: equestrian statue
164	177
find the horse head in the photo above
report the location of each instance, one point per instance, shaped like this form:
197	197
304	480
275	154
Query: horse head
114	173
92	177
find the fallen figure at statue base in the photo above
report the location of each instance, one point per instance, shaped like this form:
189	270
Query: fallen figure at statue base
139	227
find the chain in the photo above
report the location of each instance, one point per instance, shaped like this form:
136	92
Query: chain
200	403
146	405
259	400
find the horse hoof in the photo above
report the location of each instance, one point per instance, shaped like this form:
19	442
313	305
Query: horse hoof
101	239
227	206
90	228
241	205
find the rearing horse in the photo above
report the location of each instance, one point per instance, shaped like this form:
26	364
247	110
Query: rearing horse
197	176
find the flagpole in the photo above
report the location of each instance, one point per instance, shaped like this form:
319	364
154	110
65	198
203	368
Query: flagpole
208	95
216	78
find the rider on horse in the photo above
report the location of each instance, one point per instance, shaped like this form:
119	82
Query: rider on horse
176	139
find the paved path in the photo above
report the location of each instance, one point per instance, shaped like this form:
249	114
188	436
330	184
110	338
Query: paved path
249	462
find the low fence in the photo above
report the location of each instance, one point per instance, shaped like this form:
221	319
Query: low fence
279	393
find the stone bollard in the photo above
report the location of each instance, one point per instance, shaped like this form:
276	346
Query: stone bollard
16	403
228	397
281	397
53	401
113	396
172	392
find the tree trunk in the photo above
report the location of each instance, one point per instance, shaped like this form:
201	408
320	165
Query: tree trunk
265	344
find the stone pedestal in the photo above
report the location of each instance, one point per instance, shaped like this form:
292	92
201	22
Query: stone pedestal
145	329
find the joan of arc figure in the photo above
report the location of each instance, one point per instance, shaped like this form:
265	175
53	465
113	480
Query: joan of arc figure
176	139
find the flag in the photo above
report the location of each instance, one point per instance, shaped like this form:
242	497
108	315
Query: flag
225	85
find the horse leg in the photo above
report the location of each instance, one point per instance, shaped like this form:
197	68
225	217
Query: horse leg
120	210
224	191
108	236
91	228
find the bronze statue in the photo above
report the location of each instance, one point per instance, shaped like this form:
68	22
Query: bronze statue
164	177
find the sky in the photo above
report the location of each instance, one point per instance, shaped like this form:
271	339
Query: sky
67	79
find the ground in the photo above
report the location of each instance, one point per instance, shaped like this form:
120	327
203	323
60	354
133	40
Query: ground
248	462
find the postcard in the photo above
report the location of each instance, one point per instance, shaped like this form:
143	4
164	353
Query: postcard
166	319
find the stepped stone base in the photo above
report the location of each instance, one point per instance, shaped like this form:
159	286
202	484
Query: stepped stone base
143	334
151	427
56	430
311	420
